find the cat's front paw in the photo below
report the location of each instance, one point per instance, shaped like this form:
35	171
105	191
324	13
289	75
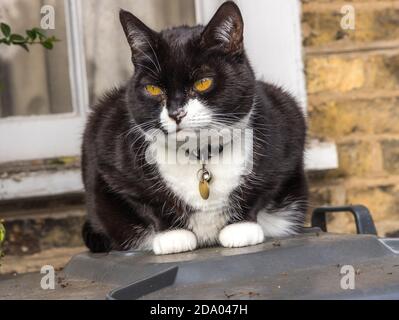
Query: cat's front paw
174	241
241	234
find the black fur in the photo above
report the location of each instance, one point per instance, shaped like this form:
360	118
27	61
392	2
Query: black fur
122	203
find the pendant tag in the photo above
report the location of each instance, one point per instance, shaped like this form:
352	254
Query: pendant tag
204	177
204	189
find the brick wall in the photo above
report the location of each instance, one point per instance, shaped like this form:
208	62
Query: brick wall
353	92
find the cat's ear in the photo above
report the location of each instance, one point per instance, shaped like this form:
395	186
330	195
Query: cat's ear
225	30
140	37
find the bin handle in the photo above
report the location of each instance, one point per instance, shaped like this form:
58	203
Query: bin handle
363	219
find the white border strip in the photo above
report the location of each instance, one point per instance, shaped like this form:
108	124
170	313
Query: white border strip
42	183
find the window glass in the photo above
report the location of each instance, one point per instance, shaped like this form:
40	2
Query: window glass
35	82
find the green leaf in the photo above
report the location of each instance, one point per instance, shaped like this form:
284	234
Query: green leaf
39	33
48	44
54	39
2	233
5	28
31	34
23	45
17	39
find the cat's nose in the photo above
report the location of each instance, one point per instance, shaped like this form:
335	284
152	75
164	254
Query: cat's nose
177	115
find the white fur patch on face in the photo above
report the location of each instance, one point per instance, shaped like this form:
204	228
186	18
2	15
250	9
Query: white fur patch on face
167	123
198	115
174	241
241	234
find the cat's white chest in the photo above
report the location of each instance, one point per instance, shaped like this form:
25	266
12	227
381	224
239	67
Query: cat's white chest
182	178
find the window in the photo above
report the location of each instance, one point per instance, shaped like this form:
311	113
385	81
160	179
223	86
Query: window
45	96
34	83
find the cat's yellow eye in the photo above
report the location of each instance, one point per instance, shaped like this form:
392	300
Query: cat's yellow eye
203	84
153	90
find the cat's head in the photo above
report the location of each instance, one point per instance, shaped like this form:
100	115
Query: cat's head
190	78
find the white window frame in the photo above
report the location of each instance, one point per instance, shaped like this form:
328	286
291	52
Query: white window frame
55	136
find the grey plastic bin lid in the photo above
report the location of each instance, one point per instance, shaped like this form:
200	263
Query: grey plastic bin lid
303	267
307	266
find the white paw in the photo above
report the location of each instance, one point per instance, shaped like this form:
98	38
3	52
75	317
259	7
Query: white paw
174	241
241	234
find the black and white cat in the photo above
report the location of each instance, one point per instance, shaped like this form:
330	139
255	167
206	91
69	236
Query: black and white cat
189	79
